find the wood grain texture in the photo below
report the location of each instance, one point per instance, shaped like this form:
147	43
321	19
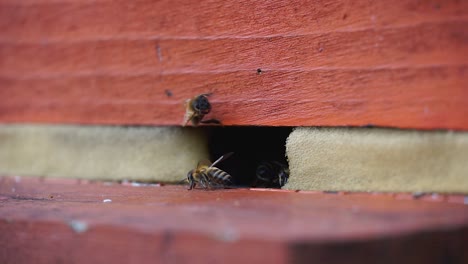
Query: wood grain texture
55	221
323	63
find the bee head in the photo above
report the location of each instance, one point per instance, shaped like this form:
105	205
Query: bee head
201	104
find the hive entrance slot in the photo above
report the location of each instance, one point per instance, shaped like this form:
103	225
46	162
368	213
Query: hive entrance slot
251	146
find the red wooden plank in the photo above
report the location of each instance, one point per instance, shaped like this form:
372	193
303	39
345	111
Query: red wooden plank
36	20
66	220
426	45
327	63
424	98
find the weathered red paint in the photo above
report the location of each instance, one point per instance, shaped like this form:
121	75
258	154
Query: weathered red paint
170	224
323	63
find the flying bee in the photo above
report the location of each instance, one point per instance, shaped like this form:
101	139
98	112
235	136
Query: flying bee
208	176
196	109
271	174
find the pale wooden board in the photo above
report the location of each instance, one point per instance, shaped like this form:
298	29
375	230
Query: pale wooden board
385	160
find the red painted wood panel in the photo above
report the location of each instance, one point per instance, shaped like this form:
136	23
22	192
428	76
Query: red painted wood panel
36	20
52	221
327	63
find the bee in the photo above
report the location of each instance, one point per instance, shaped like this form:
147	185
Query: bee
196	109
271	174
208	176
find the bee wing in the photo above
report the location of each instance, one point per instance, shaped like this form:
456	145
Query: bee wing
204	163
223	157
189	113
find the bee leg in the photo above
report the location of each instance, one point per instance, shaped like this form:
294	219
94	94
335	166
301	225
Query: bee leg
211	121
204	181
211	185
195	119
208	184
192	185
215	186
283	177
191	182
280	180
218	186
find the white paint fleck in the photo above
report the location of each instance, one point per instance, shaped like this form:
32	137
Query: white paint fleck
107	201
228	235
465	201
17	179
158	49
78	226
138	184
143	184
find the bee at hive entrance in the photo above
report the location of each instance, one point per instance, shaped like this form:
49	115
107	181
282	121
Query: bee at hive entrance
208	176
196	109
254	147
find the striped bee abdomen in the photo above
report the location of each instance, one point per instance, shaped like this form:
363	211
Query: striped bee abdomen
218	176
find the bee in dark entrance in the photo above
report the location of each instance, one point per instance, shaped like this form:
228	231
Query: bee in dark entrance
196	109
208	176
271	174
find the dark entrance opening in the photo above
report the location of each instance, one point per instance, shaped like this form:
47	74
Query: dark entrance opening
251	147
